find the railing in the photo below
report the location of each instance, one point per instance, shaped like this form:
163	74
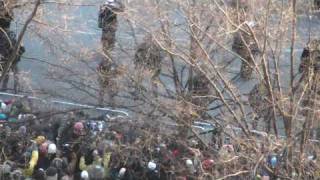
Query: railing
122	113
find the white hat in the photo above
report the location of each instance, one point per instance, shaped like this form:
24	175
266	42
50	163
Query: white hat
84	175
52	149
3	106
122	172
189	162
152	166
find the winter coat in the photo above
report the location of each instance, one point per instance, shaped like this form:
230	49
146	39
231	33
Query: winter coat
32	163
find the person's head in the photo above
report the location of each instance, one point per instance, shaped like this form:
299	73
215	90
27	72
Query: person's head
22	130
39	174
95	153
84	175
78	128
57	163
52	149
43	148
152	166
122	172
96	172
16	174
52	173
40	139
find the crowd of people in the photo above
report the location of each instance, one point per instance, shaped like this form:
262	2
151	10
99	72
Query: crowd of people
74	146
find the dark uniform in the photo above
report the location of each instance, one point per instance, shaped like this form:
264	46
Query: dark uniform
258	100
107	73
7	43
310	58
109	23
310	65
148	57
200	91
5	16
245	46
316	4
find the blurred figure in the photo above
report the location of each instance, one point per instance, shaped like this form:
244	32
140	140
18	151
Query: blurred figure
310	75
258	100
148	57
245	46
5	16
316	4
108	22
200	91
108	70
310	59
7	45
241	4
107	73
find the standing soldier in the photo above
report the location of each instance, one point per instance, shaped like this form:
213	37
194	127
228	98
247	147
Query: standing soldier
107	74
310	70
148	57
243	43
108	22
108	70
258	100
7	48
200	92
245	46
310	59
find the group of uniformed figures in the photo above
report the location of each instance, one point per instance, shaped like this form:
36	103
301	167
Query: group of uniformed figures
148	57
246	47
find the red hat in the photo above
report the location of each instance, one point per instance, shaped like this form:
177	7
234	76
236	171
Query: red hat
78	127
207	164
